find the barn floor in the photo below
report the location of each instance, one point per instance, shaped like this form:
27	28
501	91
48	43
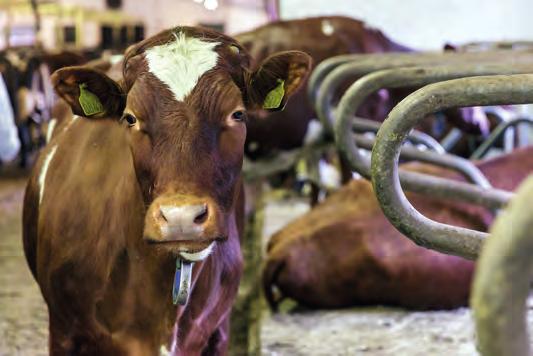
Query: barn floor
363	331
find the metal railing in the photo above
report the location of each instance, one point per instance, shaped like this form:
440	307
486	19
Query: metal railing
356	95
485	90
502	280
330	74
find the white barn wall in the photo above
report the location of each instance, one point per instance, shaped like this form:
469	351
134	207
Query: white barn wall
428	24
161	14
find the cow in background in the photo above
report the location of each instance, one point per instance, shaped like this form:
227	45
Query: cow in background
321	38
146	172
344	252
26	72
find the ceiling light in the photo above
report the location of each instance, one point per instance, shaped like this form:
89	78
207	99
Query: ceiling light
211	4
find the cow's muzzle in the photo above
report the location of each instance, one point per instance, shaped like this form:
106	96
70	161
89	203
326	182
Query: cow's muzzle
188	224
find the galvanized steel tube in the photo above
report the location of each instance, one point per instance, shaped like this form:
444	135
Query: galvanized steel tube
356	69
356	95
490	90
496	134
502	280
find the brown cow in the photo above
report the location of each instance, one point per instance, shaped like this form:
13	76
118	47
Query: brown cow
322	38
152	173
345	252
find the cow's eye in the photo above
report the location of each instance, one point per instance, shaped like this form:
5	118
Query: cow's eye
130	119
238	115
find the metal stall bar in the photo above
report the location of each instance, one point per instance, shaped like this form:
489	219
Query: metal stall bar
326	66
415	136
502	280
490	90
354	70
356	95
461	165
496	134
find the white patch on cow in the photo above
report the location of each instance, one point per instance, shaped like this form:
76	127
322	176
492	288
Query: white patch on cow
181	220
50	130
180	63
75	117
198	256
44	169
327	28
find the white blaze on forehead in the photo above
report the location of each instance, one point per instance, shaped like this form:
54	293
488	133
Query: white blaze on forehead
180	63
198	256
44	169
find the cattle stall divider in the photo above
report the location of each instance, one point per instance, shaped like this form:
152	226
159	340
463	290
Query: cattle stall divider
461	165
498	132
414	76
330	74
502	280
416	137
386	178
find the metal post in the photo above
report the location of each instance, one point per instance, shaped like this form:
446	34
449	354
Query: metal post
487	90
496	134
502	280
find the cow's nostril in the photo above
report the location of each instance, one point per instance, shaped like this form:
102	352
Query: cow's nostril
202	216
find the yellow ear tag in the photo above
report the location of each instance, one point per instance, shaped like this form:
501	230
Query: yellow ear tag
90	104
275	96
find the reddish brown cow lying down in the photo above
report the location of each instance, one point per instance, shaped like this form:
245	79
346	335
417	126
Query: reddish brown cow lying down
148	177
344	252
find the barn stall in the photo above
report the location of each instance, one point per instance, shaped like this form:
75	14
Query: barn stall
407	238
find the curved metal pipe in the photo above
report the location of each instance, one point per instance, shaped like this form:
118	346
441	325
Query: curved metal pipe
450	140
490	90
326	66
415	136
357	93
354	70
496	134
461	165
502	280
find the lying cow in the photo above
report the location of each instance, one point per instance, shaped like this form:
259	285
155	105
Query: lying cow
345	252
148	173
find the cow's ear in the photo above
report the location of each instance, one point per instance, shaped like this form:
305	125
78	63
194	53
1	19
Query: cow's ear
278	77
89	92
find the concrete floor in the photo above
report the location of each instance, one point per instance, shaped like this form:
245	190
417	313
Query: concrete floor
23	314
362	331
